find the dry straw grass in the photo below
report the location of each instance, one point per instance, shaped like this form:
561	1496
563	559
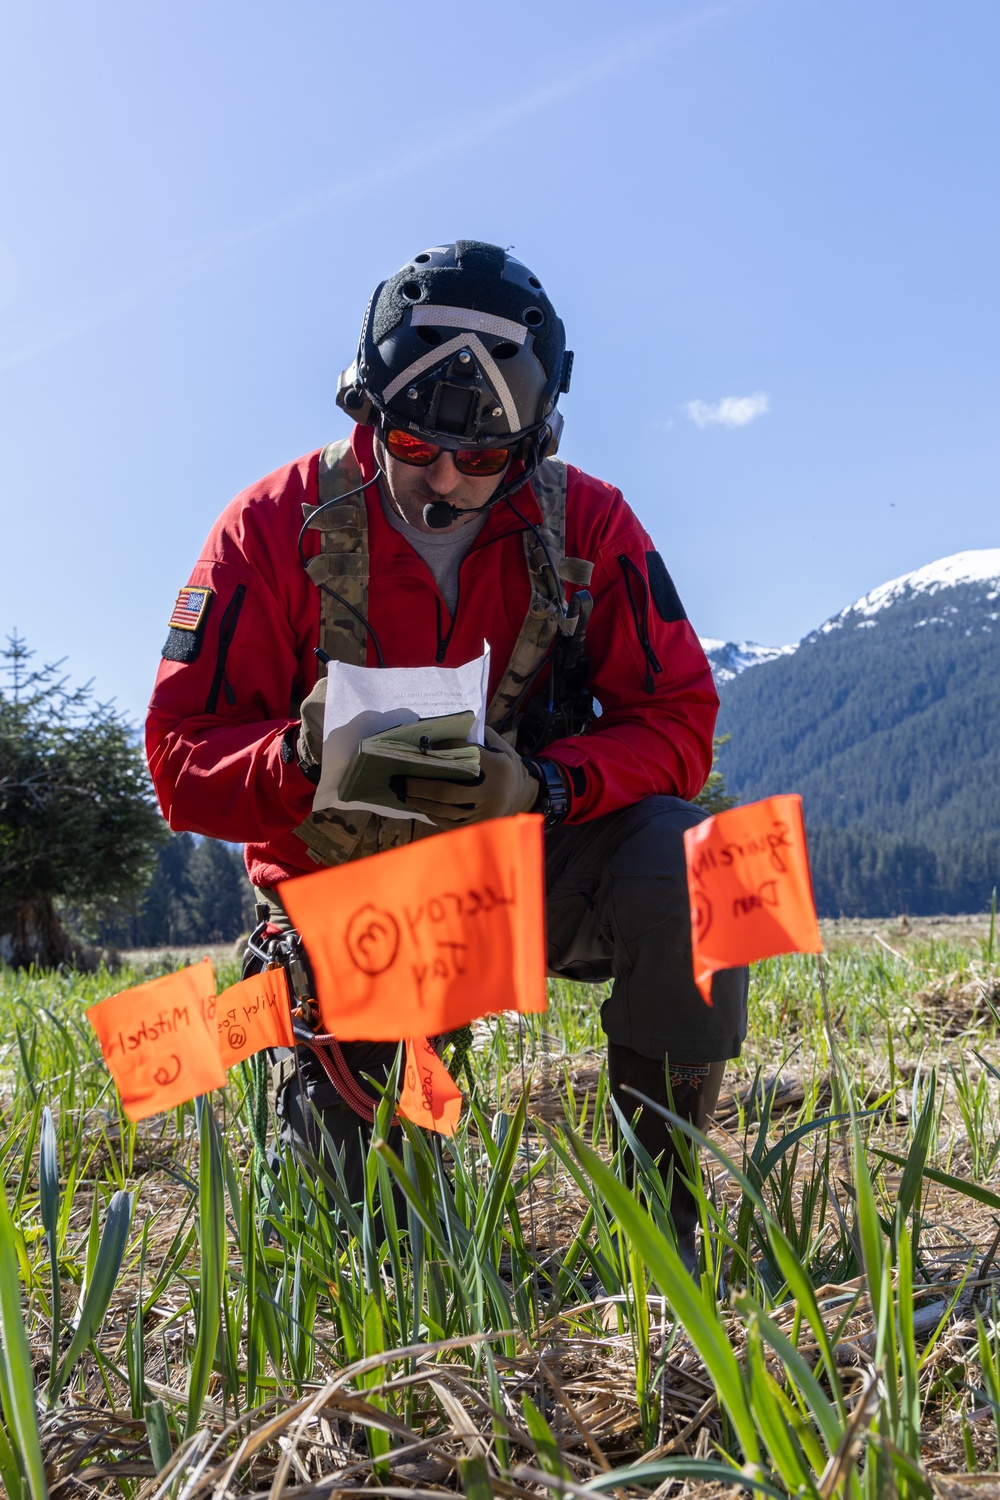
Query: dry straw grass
556	1351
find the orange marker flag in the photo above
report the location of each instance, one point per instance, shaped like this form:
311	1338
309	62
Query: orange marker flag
159	1040
424	939
430	1096
750	887
254	1014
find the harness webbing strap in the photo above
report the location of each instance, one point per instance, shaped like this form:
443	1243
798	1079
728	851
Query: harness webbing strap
542	620
336	835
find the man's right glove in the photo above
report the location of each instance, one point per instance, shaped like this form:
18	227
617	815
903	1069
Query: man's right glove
505	786
310	741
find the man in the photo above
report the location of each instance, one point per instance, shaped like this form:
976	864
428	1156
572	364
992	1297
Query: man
444	521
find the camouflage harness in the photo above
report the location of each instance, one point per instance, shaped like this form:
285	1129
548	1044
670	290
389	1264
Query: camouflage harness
337	835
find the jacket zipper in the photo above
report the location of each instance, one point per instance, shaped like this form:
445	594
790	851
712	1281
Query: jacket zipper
641	620
444	641
227	629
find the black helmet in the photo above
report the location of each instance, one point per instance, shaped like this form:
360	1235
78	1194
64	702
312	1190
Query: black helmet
462	347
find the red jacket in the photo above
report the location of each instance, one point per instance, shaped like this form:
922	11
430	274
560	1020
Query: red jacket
215	724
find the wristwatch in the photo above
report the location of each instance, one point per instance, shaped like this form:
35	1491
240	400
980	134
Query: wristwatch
553	794
290	753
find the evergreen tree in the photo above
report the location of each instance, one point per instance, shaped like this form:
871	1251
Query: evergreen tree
199	893
166	914
78	824
713	796
219	885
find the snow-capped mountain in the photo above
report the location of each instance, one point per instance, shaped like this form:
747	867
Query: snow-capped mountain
975	574
729	658
962	590
887	720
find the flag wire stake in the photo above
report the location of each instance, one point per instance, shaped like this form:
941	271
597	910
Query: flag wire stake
531	1207
831	1039
835	1073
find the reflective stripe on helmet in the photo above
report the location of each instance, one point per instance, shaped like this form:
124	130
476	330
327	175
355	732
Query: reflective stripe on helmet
467	317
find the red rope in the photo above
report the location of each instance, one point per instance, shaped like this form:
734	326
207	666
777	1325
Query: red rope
334	1064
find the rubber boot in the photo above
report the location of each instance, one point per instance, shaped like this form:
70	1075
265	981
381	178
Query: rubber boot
694	1102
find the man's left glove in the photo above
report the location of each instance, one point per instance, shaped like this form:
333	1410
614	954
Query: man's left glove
309	745
505	786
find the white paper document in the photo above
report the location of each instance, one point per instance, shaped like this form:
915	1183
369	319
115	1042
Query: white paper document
361	701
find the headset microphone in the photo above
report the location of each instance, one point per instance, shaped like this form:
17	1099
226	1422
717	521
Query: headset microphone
439	513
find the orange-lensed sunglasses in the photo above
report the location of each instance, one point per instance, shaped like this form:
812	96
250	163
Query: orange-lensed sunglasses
480	463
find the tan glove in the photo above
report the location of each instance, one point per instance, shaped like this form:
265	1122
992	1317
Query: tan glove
309	747
506	786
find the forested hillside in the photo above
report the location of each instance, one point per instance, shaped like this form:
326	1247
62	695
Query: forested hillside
887	720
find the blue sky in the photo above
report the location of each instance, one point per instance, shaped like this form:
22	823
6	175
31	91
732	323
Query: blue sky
770	226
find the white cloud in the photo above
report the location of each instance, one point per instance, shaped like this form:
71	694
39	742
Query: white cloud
731	411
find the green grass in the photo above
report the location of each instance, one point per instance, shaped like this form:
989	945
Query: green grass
504	1315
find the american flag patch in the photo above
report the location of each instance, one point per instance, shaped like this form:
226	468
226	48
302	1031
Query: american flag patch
189	611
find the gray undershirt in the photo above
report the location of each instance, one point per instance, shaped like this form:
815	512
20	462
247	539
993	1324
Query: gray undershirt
442	551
